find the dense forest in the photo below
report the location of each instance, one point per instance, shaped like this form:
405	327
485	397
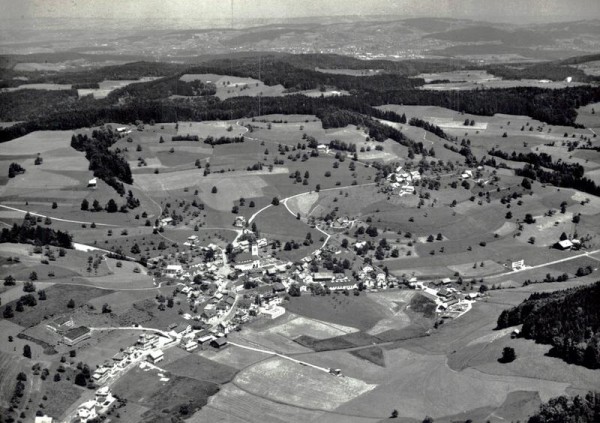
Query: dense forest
569	410
106	164
29	232
569	320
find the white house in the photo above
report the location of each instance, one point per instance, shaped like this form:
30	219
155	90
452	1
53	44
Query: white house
174	270
155	356
273	311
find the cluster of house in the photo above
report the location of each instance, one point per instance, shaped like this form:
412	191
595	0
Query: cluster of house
65	327
148	345
402	182
449	300
341	223
93	409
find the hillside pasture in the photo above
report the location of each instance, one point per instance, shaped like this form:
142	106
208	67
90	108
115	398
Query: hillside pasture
237	358
586	117
283	381
424	385
201	368
315	328
234	405
37	142
354	311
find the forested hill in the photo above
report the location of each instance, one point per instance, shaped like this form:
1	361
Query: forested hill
569	320
40	109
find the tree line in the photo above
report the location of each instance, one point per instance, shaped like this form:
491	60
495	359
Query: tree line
29	232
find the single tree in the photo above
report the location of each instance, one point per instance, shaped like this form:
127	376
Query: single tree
9	280
111	206
508	355
26	351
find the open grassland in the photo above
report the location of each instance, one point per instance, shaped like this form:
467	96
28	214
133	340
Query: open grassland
318	329
394	304
429	387
234	405
586	117
37	142
234	357
355	311
290	383
268	340
198	367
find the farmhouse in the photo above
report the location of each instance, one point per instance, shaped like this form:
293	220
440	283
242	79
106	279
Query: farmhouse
61	324
43	419
92	183
76	335
278	287
206	339
273	311
166	221
341	286
444	293
565	244
209	316
174	270
218	343
147	341
240	221
188	344
155	356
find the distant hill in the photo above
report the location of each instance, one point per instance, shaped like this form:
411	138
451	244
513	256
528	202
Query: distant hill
485	33
569	320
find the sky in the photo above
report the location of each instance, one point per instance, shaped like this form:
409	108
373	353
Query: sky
203	13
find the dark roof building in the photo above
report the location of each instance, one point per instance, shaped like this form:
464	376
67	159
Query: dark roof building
76	335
